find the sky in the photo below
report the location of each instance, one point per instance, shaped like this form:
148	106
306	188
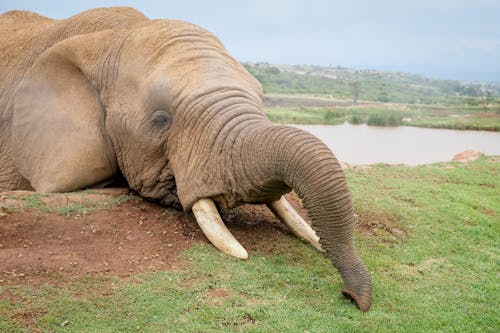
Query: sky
447	39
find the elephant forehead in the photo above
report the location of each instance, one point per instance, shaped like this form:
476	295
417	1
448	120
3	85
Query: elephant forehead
171	85
170	36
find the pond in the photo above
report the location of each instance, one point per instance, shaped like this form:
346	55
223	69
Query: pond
362	144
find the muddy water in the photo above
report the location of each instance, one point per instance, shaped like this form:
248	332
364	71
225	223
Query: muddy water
362	144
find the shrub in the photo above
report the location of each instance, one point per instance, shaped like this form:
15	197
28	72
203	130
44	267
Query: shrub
355	119
383	98
331	115
385	119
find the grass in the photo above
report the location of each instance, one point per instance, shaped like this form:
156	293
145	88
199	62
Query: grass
356	119
310	116
462	123
385	119
376	114
432	247
36	202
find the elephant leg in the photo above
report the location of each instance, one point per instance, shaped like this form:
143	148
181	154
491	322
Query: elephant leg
10	178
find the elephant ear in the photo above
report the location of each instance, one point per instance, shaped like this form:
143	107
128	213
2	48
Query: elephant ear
59	140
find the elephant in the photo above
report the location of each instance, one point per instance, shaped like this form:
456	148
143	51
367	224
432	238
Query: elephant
109	95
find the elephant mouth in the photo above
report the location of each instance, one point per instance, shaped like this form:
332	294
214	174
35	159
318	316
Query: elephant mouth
161	189
210	222
171	199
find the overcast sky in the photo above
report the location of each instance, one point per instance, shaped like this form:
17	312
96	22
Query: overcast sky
450	39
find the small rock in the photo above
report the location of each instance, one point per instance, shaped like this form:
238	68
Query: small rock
467	156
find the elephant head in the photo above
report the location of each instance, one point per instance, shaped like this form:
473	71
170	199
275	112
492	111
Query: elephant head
163	104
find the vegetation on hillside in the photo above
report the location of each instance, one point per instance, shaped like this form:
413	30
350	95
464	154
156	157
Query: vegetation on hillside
371	85
331	95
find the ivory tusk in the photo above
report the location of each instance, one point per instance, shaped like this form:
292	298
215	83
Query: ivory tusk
211	224
288	216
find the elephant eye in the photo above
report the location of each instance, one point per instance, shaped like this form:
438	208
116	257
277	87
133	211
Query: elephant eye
161	119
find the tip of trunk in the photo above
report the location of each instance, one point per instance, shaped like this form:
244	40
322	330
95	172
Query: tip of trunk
362	300
357	282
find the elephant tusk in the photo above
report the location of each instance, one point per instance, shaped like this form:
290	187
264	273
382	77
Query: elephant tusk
211	224
288	216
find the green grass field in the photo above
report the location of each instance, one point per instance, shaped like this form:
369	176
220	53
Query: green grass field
429	235
464	118
462	123
309	116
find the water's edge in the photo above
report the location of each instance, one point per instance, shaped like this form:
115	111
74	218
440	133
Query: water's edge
365	145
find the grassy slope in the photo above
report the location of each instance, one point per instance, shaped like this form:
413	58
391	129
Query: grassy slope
432	248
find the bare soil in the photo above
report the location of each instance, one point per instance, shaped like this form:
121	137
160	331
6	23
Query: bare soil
38	247
381	225
482	115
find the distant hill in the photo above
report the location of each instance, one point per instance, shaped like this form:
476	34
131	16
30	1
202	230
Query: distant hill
369	85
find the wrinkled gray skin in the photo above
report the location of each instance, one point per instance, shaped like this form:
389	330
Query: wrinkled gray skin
109	92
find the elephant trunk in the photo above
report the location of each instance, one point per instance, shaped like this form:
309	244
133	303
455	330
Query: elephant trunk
301	161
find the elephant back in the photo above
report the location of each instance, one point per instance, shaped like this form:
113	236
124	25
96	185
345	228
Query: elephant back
25	35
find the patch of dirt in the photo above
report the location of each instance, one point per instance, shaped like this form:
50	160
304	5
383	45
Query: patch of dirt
218	293
423	267
363	167
38	247
493	159
28	316
482	115
371	224
215	296
487	211
134	237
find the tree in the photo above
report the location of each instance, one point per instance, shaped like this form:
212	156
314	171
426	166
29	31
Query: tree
356	91
487	99
273	70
